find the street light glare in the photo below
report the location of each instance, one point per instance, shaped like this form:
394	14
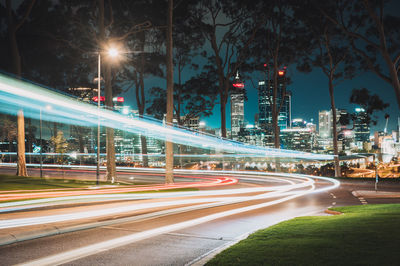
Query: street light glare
113	52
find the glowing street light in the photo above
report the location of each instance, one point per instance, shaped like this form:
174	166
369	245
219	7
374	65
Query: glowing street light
113	52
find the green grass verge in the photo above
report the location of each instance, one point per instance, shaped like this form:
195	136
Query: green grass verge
363	235
12	182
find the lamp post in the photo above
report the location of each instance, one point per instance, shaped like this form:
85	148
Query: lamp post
112	52
98	120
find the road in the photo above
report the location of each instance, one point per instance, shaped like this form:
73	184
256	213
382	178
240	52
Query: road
167	235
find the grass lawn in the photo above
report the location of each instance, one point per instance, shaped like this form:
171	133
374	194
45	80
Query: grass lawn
363	235
11	182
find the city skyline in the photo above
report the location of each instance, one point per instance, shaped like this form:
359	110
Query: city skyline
303	106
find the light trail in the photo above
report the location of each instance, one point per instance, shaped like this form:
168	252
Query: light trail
44	202
78	253
15	94
211	182
279	191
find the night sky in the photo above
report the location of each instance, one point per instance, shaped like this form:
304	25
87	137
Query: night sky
309	95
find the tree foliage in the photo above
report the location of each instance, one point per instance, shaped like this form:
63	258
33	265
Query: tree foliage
370	103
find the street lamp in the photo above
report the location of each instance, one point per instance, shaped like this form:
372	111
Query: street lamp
112	52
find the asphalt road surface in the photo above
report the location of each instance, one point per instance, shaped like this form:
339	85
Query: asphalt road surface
175	238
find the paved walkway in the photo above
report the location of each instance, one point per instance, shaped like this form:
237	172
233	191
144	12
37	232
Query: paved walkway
376	194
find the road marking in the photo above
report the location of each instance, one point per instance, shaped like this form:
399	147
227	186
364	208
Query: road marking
333	203
201	237
362	200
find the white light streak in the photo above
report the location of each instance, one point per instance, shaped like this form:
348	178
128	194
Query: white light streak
16	93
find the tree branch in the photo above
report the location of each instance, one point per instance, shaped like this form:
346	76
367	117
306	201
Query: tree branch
348	32
135	29
379	25
111	15
28	11
370	64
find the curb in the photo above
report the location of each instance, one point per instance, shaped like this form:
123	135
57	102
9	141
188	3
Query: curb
212	253
332	212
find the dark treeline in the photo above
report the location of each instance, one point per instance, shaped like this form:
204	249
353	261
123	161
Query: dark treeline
56	43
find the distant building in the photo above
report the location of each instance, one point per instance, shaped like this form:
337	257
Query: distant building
253	135
361	128
325	122
265	97
299	123
237	107
300	139
192	123
84	94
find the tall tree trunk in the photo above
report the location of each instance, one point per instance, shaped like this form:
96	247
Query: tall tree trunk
275	115
16	64
110	143
334	128
275	112
142	100
143	141
223	101
394	76
21	163
169	148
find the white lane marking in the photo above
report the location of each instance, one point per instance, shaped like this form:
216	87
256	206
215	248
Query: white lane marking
333	203
362	200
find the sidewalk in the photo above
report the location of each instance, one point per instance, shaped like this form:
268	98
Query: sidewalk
376	194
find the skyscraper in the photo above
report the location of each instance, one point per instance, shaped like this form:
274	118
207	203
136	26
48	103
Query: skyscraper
325	126
265	98
361	128
237	107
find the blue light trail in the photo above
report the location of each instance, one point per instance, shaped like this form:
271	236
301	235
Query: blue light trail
16	94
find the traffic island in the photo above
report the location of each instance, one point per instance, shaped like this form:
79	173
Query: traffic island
362	235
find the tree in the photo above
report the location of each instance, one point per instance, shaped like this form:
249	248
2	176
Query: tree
169	151
60	146
372	33
370	103
196	97
331	55
278	43
13	26
98	27
147	58
237	23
